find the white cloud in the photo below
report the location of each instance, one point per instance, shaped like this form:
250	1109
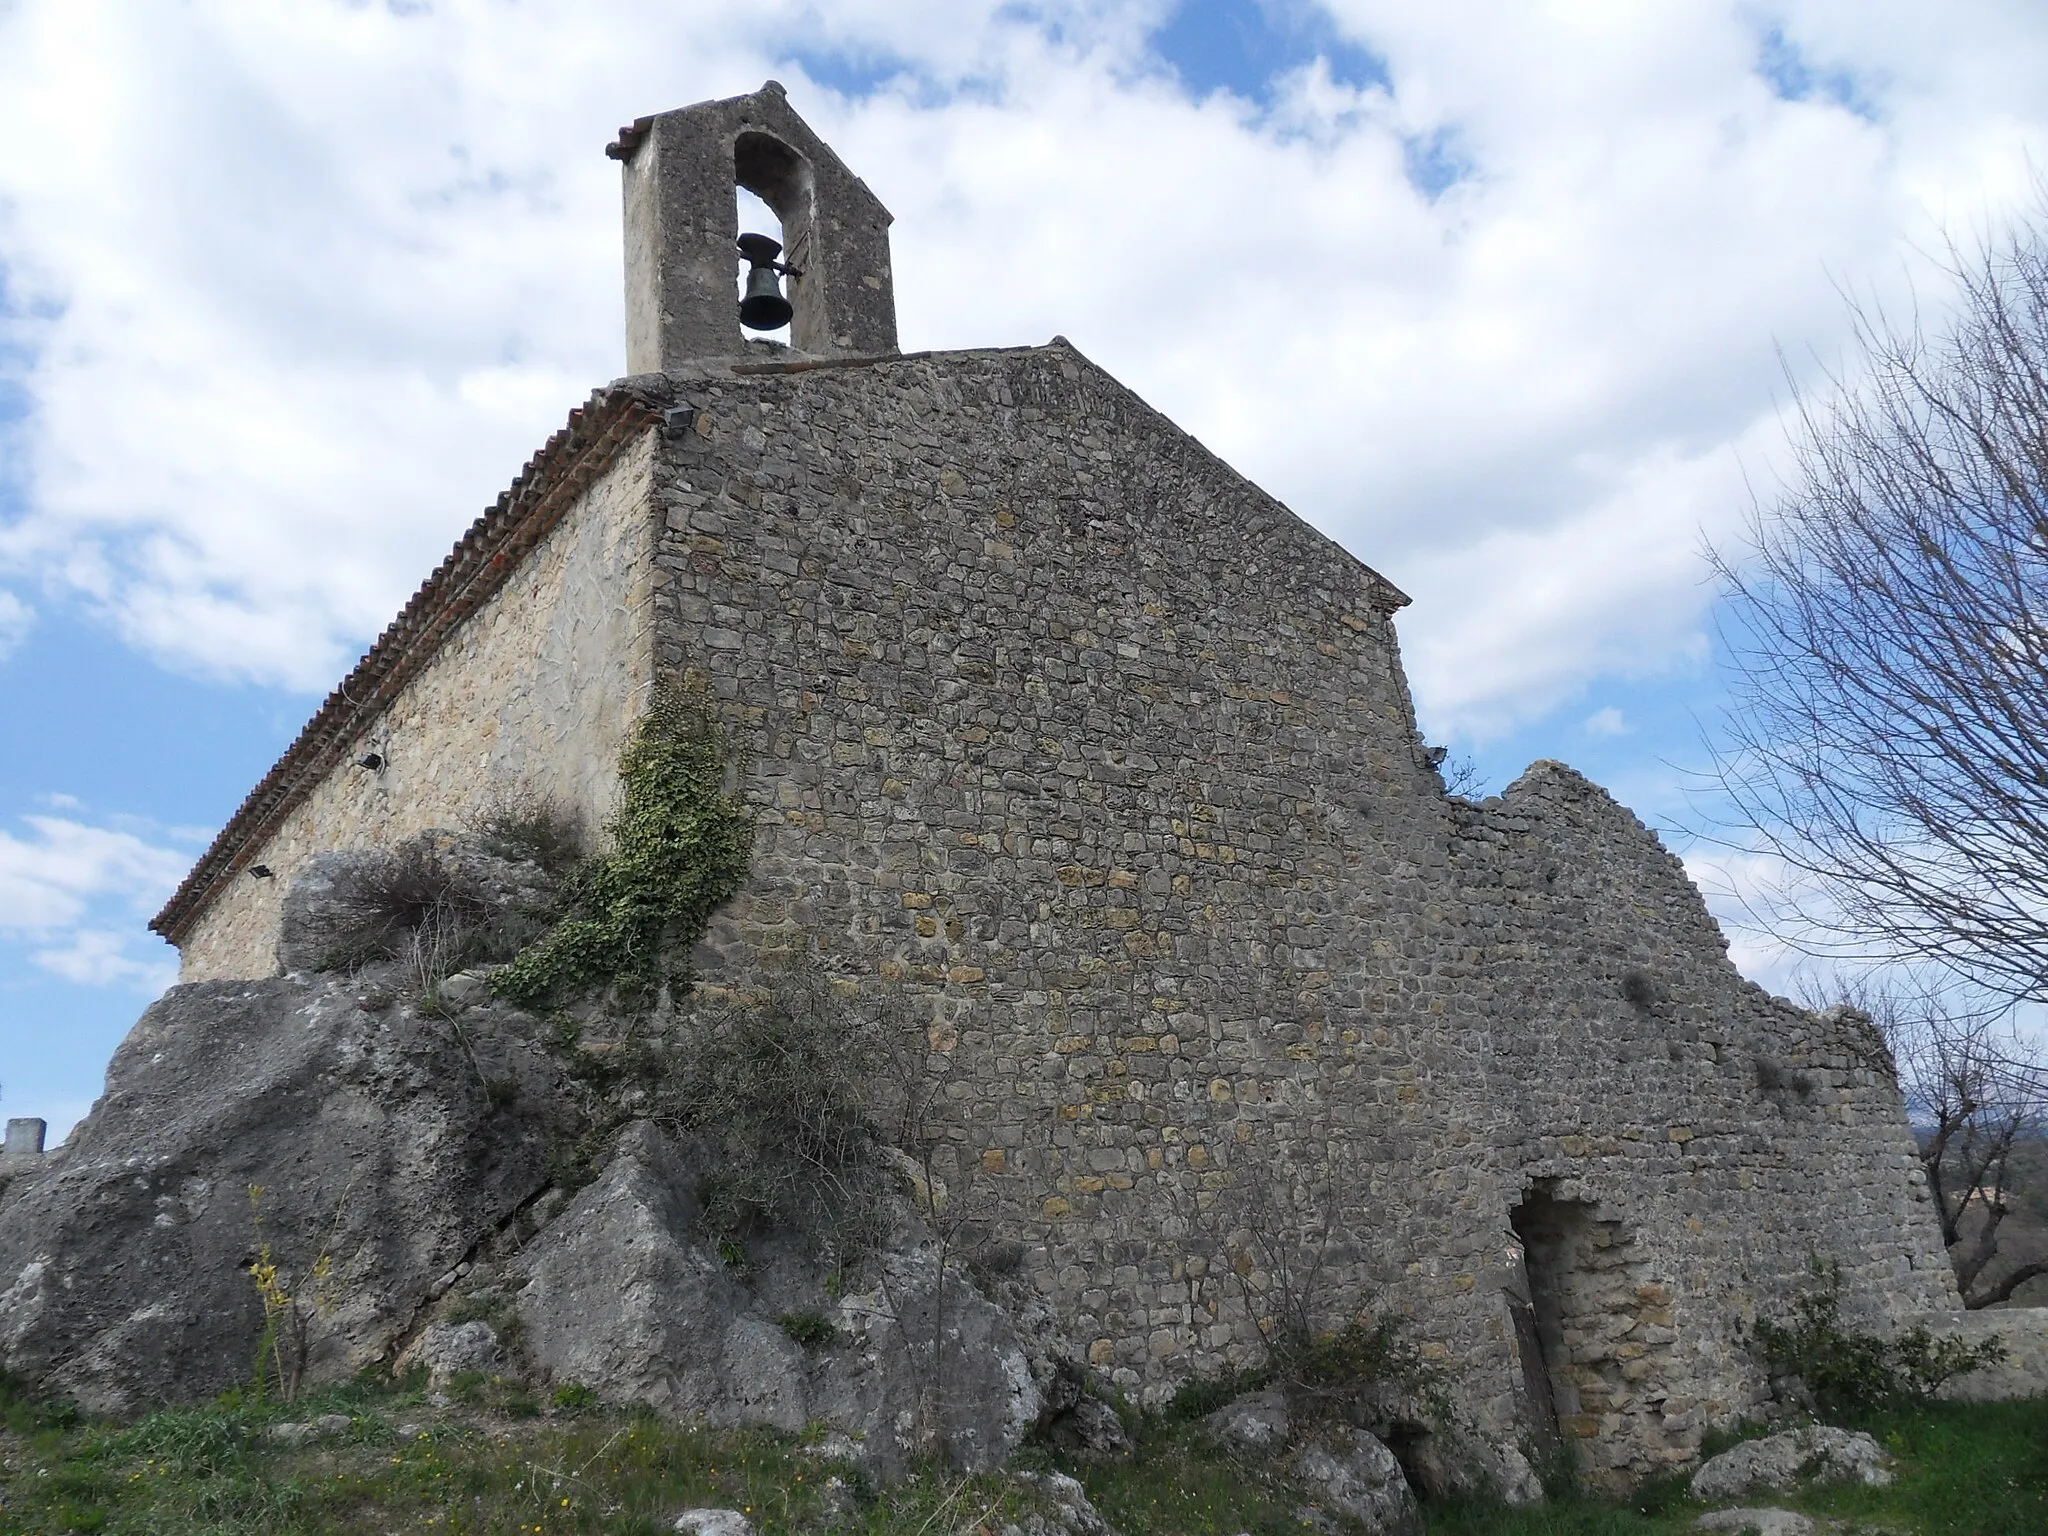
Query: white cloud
98	957
1606	722
312	281
77	894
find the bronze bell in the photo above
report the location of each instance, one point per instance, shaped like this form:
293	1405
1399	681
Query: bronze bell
764	308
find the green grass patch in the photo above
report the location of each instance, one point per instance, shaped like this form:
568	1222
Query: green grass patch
568	1465
508	1465
1177	1483
1968	1469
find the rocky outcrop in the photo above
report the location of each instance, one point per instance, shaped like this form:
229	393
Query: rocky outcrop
1797	1458
302	1116
1352	1476
624	1294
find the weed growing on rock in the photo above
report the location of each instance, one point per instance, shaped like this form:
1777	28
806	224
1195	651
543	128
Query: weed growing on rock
811	1330
290	1303
676	848
1842	1370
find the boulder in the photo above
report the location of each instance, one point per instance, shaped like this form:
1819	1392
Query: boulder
449	1350
1089	1430
714	1522
1352	1475
623	1294
1256	1424
619	1293
1514	1480
1067	1511
1796	1458
377	1138
1755	1522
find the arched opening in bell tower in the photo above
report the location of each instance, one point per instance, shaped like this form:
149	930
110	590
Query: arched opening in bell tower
775	193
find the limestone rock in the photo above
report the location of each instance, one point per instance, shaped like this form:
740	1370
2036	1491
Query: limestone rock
1796	1458
464	988
371	1133
1353	1475
714	1522
1755	1522
326	1427
622	1293
1070	1512
450	1350
1515	1480
1255	1423
1089	1430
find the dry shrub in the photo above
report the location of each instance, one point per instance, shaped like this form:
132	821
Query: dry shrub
419	906
532	828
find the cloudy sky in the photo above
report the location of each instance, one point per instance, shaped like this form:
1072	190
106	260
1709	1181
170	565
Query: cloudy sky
1501	294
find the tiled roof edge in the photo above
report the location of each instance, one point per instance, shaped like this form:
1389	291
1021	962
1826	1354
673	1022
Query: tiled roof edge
481	562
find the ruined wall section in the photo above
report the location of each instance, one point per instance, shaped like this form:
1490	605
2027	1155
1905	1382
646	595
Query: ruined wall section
1714	1137
532	694
1108	759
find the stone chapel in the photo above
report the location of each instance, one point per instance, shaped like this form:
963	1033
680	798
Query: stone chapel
1052	719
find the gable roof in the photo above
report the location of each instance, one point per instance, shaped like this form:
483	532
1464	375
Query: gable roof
481	562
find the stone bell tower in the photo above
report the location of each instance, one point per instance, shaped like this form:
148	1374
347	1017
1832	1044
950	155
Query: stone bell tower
681	222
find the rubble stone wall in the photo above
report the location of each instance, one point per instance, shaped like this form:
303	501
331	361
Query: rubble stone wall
532	695
1718	1137
1109	759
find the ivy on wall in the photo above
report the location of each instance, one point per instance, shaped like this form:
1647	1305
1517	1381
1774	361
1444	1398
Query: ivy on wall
676	849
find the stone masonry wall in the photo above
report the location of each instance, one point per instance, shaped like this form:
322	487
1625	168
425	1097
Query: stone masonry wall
532	695
1108	759
1716	1138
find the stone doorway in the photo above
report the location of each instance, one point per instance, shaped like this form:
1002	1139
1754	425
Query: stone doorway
1547	1234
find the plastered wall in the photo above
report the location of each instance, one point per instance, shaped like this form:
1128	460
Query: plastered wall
531	695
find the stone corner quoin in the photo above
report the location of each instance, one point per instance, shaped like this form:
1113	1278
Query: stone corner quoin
1108	761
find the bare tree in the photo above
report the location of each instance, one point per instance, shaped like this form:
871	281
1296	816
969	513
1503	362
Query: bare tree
1888	639
1977	1089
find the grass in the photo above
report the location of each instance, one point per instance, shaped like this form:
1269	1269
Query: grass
405	1466
1964	1470
500	1462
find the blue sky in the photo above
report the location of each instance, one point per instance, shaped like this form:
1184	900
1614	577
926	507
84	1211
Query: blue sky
286	297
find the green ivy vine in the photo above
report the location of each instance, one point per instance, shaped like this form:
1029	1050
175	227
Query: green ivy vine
676	849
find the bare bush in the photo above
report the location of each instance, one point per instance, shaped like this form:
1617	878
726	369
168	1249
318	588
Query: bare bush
533	828
413	906
783	1084
1274	1231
